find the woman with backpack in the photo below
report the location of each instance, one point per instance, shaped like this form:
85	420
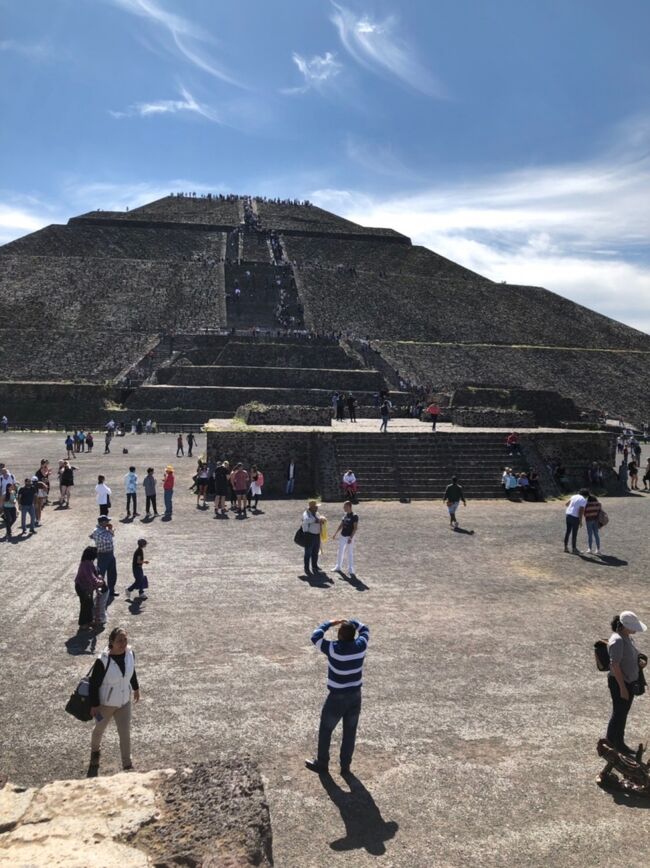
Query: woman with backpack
624	674
113	683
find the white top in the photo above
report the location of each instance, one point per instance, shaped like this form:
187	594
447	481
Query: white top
576	503
102	493
349	478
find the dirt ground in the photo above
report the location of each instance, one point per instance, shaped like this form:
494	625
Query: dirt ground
482	703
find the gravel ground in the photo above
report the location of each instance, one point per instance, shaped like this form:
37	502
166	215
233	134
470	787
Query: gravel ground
482	704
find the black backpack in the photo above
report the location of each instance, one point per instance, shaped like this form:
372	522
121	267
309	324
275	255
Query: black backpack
601	651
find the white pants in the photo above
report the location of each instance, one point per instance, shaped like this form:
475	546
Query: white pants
346	544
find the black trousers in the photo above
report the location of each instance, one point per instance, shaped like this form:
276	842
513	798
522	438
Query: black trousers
620	710
131	497
150	503
85	605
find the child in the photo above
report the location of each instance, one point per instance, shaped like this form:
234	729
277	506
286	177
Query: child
140	581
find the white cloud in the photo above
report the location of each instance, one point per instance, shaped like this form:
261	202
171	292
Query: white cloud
375	45
315	70
183	33
169	106
581	231
22	214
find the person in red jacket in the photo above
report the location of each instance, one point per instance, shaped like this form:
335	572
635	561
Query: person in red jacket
434	411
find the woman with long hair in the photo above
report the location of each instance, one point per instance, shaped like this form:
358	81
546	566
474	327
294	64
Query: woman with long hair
86	582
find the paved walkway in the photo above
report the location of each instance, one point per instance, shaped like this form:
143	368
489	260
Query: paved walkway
482	703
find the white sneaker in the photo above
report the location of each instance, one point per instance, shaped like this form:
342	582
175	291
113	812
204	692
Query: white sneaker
588	551
598	552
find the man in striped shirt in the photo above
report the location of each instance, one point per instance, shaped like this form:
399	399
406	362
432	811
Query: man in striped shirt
345	659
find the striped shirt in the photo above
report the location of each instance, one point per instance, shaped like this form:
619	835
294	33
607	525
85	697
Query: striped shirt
345	659
592	510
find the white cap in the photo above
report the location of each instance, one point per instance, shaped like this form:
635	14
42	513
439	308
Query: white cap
630	620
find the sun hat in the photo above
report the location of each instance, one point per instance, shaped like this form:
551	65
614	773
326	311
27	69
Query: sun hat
630	620
103	519
169	467
313	503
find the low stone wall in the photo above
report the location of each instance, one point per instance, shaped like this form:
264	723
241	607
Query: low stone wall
489	417
210	398
268	377
549	407
282	414
32	403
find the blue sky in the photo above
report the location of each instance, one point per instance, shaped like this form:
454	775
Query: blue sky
512	136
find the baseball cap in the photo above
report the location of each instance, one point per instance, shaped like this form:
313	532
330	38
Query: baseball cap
630	620
104	519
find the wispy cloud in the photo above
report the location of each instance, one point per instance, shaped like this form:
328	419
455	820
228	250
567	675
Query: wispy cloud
377	46
186	38
579	230
316	71
22	214
187	104
32	50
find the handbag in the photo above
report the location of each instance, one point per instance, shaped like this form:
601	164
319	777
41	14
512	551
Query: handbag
79	703
300	537
603	518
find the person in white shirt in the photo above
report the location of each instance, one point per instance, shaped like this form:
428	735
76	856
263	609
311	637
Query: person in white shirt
575	509
102	495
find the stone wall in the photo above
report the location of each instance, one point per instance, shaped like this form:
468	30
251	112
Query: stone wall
209	398
488	417
58	403
549	407
261	414
268	377
286	355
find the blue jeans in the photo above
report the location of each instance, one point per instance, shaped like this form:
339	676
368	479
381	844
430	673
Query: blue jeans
346	705
107	568
572	525
290	484
28	511
312	550
592	533
168	495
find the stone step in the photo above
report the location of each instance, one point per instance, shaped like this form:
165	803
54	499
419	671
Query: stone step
271	377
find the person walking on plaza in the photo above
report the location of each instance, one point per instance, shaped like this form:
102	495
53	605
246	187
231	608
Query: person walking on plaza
624	672
646	476
9	511
592	515
179	446
255	488
131	487
345	657
168	489
140	581
6	478
191	440
69	446
90	441
633	470
575	509
86	582
113	685
348	527
27	504
434	411
103	537
452	497
312	525
66	483
240	480
103	495
384	410
107	441
149	485
291	476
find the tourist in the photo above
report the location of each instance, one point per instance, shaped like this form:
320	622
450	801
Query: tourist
4	424
221	478
149	485
512	444
575	508
312	526
103	495
191	440
452	497
43	474
41	498
291	475
103	537
131	488
66	483
633	470
90	441
622	474
434	411
345	658
69	445
168	490
255	490
6	478
352	403
348	527
592	513
140	581
179	445
86	582
350	486
9	508
113	681
340	407
624	672
107	441
384	411
240	480
26	498
646	476
202	478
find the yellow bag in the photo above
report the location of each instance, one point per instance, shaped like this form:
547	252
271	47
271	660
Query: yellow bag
323	532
